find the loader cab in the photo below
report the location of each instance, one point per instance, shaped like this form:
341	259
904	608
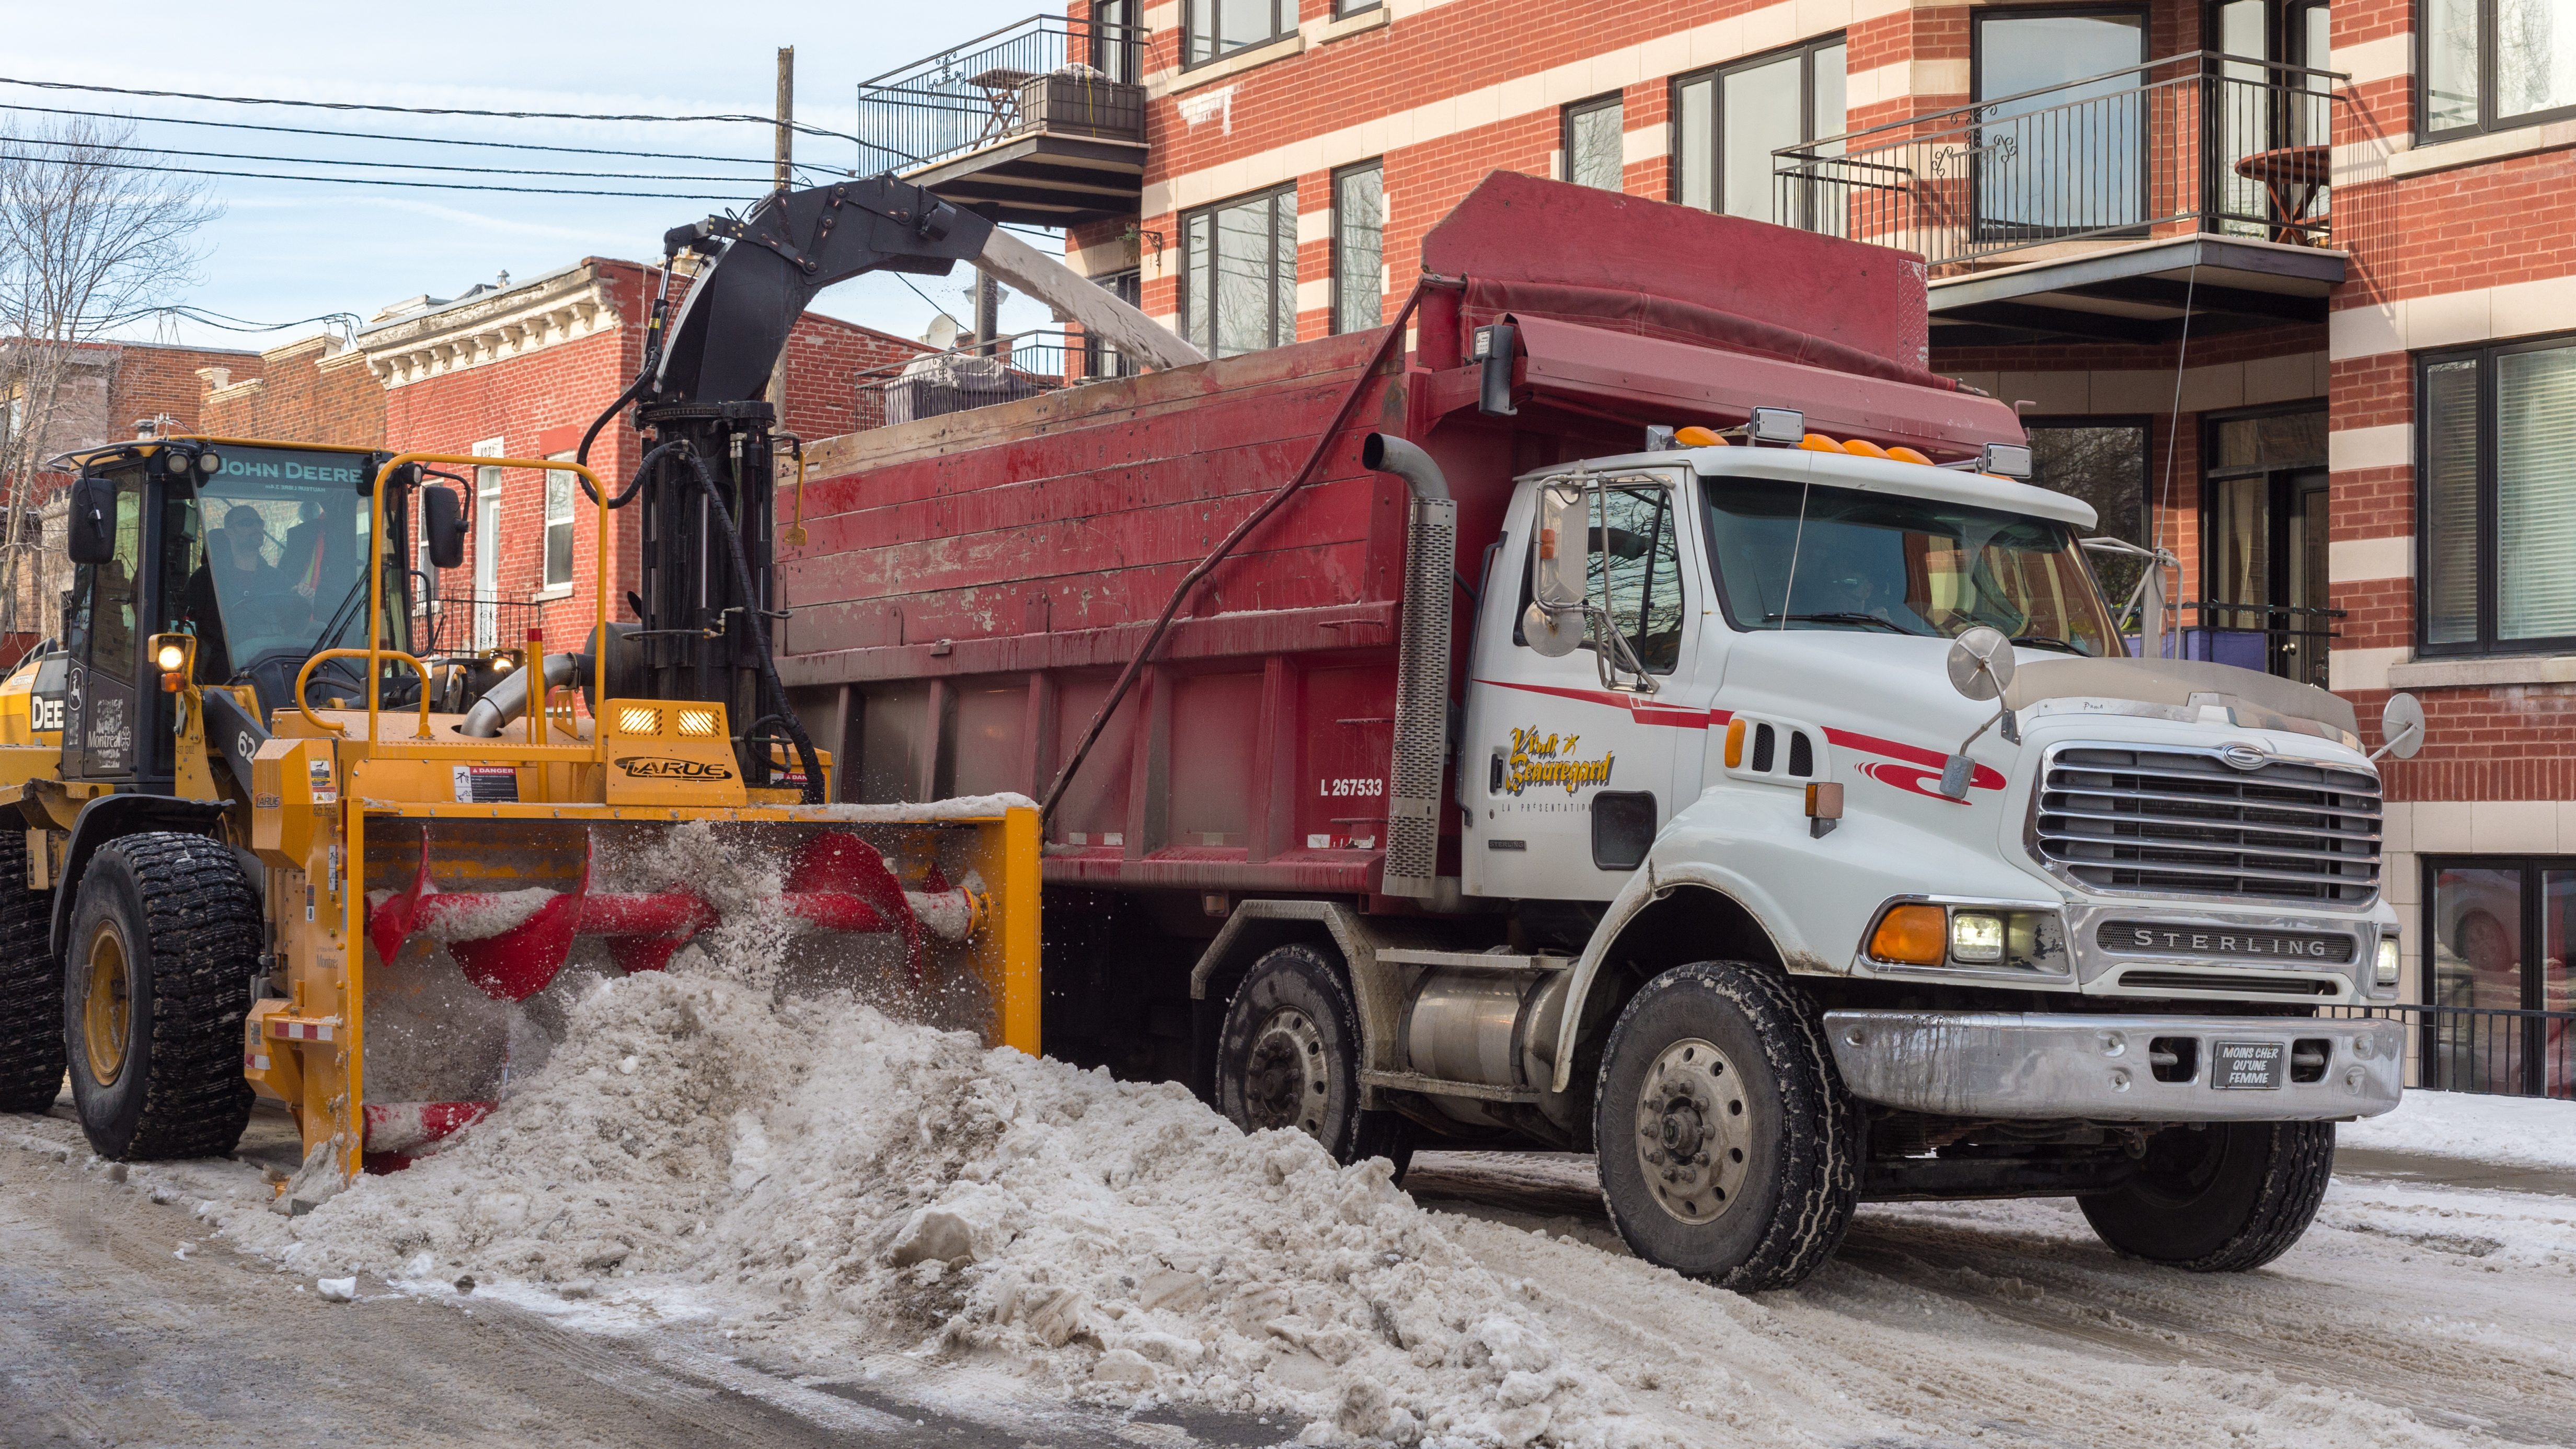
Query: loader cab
255	550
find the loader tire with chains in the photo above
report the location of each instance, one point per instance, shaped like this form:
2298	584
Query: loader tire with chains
2224	1198
189	925
1729	1058
31	987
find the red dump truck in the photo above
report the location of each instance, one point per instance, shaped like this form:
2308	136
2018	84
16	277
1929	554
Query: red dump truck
1600	730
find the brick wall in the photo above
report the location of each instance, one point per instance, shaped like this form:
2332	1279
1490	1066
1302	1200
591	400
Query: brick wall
152	380
310	391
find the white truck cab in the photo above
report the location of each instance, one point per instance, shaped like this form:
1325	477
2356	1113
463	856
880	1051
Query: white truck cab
1850	855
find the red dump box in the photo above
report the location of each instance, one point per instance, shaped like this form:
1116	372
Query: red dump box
972	584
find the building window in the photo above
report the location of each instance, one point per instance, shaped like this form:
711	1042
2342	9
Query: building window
1239	274
2490	65
2104	462
1359	247
487	546
559	524
2498	984
1728	121
2496	511
1592	131
1222	27
1099	359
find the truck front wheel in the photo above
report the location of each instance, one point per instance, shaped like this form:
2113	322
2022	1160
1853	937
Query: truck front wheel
165	934
1290	1057
2222	1198
1728	1150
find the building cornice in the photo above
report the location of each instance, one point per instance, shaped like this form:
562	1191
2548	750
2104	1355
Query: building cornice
563	307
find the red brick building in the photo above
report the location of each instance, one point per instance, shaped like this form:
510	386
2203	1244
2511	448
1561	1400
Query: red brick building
2288	290
313	390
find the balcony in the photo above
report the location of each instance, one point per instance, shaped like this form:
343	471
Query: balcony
1039	123
983	374
2186	192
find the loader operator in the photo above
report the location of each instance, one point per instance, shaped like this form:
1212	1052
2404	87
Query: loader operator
237	580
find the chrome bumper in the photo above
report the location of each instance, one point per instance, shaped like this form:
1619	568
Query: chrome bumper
2029	1065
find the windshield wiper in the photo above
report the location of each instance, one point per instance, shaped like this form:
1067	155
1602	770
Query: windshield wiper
1889	625
2051	641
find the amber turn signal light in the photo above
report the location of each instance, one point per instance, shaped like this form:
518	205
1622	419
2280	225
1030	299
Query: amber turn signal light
1912	936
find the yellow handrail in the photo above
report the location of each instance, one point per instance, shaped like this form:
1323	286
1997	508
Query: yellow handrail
304	677
376	652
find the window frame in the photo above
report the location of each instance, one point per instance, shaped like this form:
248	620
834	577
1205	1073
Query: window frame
2487	122
2484	642
1283	23
2531	928
2145	424
2139	10
1283	331
549	587
1565	119
1341	174
1677	137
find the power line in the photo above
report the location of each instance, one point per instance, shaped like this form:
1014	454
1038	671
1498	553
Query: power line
384	136
769	121
71	148
386	181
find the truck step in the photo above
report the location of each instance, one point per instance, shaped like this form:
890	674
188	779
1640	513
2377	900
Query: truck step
1438	1087
1472	960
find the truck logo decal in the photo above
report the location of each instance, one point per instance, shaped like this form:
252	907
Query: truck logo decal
1544	760
651	767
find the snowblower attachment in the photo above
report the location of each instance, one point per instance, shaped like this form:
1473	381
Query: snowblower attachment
465	886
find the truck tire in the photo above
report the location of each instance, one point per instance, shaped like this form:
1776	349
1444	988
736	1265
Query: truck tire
2225	1198
165	935
1728	1149
31	987
1289	1056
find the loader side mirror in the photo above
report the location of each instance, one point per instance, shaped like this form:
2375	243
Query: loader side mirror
443	523
1564	563
90	530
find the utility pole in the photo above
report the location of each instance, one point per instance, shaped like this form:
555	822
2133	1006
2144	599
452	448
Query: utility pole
784	176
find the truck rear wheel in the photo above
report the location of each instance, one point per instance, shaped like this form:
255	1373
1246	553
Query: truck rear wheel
2223	1198
1289	1056
31	987
164	938
1728	1150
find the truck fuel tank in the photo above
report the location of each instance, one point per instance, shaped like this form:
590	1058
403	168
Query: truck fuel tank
1494	1026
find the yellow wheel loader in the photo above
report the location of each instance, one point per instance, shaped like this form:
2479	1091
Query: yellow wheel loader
274	843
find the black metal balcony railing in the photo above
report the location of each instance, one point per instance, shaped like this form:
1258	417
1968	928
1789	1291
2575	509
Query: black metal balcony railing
2491	1050
1047	74
2202	142
982	374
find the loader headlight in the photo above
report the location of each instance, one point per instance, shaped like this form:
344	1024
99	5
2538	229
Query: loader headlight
170	657
638	720
2383	972
1976	937
699	724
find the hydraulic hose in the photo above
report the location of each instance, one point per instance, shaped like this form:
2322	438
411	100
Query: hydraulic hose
776	702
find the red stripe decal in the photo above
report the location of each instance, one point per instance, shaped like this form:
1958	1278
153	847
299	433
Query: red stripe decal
1906	773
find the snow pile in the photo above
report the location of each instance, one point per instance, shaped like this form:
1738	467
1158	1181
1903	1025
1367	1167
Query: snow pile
2511	1131
834	1182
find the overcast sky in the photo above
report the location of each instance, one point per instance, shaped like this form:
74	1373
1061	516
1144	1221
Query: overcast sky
286	250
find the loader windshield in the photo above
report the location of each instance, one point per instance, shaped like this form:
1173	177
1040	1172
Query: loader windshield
1884	563
276	564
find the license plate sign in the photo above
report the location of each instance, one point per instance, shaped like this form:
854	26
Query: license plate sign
2247	1066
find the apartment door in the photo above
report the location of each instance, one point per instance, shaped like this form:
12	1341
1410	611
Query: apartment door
2272	117
487	548
2264	602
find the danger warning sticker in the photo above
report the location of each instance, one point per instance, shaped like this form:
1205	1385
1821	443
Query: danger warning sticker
487	784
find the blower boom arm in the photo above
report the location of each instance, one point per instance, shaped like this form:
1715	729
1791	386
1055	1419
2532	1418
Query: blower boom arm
769	265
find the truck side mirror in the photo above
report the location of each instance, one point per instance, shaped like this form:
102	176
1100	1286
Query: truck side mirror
2401	727
90	532
1981	668
443	521
1564	565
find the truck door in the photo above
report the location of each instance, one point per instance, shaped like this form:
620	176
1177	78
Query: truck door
1567	775
104	646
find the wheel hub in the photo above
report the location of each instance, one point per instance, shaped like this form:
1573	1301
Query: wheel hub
107	1007
1691	1132
1284	1082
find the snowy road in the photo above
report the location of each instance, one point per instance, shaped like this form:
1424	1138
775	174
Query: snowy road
2415	1313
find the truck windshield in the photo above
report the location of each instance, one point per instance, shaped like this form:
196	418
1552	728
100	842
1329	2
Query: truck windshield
278	565
1887	564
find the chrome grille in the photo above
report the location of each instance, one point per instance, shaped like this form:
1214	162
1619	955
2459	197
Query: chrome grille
2184	822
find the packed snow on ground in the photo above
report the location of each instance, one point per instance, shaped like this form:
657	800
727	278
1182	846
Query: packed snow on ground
2512	1131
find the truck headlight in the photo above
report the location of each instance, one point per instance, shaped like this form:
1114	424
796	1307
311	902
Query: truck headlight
2383	972
1976	936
